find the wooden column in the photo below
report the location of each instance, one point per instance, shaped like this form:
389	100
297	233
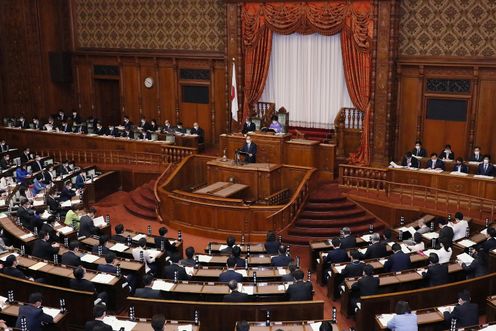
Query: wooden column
233	50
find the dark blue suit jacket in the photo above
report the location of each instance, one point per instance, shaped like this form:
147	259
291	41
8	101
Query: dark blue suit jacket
488	172
466	314
34	318
252	150
281	260
108	268
463	167
337	255
229	275
348	242
272	247
79	182
397	262
439	164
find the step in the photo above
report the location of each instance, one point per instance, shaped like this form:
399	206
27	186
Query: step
317	199
139	200
332	223
149	196
332	214
140	212
329	232
329	206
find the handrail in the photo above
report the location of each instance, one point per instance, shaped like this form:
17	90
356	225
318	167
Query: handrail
159	181
294	206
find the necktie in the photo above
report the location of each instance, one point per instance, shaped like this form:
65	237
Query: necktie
485	167
459	168
433	164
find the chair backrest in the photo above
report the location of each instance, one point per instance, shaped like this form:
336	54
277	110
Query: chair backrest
170	138
283	118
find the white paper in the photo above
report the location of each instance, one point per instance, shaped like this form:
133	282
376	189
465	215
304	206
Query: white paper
385	318
66	204
282	272
430	235
162	285
409	229
242	272
103	278
458	173
247	289
366	237
4	258
204	258
315	326
99	221
119	247
89	258
464	258
405	249
489	328
26	236
117	324
38	266
221	247
51	311
35	202
362	250
139	236
466	243
65	230
190	270
188	327
382	261
484	232
3	301
153	253
483	177
421	271
340	268
281	288
45	215
449	309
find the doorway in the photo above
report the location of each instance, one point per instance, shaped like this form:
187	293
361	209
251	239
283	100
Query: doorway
108	101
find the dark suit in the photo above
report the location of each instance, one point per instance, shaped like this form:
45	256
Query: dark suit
70	258
248	127
476	158
147	292
4	165
399	261
107	268
62	170
465	315
449	156
114	132
67	194
252	149
86	226
439	164
105	250
4	148
23	124
66	128
14	272
375	251
43	250
179	130
348	242
187	262
35	317
229	275
47	177
337	255
240	262
36	166
171	269
28	219
200	133
421	152
128	134
476	268
119	238
489	244
272	247
82	285
236	296
93	325
281	260
366	285
354	269
463	168
53	237
167	245
25	158
79	181
414	163
437	274
101	131
300	291
486	170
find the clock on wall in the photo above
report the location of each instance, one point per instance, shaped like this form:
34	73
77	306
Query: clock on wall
148	82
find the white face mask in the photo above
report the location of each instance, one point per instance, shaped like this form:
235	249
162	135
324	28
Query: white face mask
417	146
248	141
476	152
196	127
486	161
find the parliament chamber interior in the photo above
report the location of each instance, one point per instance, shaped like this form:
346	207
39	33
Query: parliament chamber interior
234	165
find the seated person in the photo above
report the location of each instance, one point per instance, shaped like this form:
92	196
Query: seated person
198	131
36	124
250	150
387	236
335	255
48	175
167	128
283	259
436	274
235	295
230	241
275	125
478	267
147	291
79	283
118	236
435	163
398	261
366	285
289	277
109	266
459	166
300	290
72	217
162	240
28	217
444	252
101	248
355	268
113	131
403	319
64	169
189	261
21	174
3	146
486	168
67	192
5	162
36	319
476	156
459	226
236	254
49	125
490	243
26	156
465	312
38	185
10	268
179	128
99	313
243	326
447	153
127	134
36	165
417	244
446	232
158	322
376	249
248	126
65	127
71	257
230	273
80	181
147	255
126	123
86	226
22	123
42	247
409	161
49	227
271	244
174	270
347	239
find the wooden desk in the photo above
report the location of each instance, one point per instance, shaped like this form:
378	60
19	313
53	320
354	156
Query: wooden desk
270	147
222	189
143	324
220	316
10	312
289	326
221	260
101	186
257	248
491	308
264	274
428	319
317	246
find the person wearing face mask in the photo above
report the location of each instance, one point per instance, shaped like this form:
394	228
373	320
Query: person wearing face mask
113	131
447	153
435	163
3	146
167	127
5	162
460	166
249	126
486	168
22	123
50	125
419	150
100	129
36	165
36	124
198	131
409	161
66	127
275	125
476	156
76	119
179	128
250	148
127	124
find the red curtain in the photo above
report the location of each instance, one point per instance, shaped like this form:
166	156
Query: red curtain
352	19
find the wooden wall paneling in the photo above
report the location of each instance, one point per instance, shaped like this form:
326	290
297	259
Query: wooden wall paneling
485	129
148	95
219	93
233	51
130	83
84	84
167	92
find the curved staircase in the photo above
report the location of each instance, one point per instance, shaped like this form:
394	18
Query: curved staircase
142	202
326	211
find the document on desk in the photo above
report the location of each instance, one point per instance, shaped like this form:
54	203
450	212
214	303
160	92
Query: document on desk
420	271
66	204
409	229
366	237
37	266
3	301
247	289
103	278
189	270
340	268
162	285
466	243
89	258
26	236
119	247
464	258
458	173
315	326
65	230
204	258
281	271
221	247
139	236
188	327
430	235
362	250
242	272
382	261
117	324
99	222
385	318
483	177
449	309
4	258
51	311
489	328
45	215
153	253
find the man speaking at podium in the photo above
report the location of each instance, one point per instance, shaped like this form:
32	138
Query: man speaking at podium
249	149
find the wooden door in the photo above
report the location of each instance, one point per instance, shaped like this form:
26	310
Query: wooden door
196	110
107	101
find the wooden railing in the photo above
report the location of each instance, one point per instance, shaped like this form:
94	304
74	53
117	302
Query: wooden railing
348	125
375	183
284	217
281	197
